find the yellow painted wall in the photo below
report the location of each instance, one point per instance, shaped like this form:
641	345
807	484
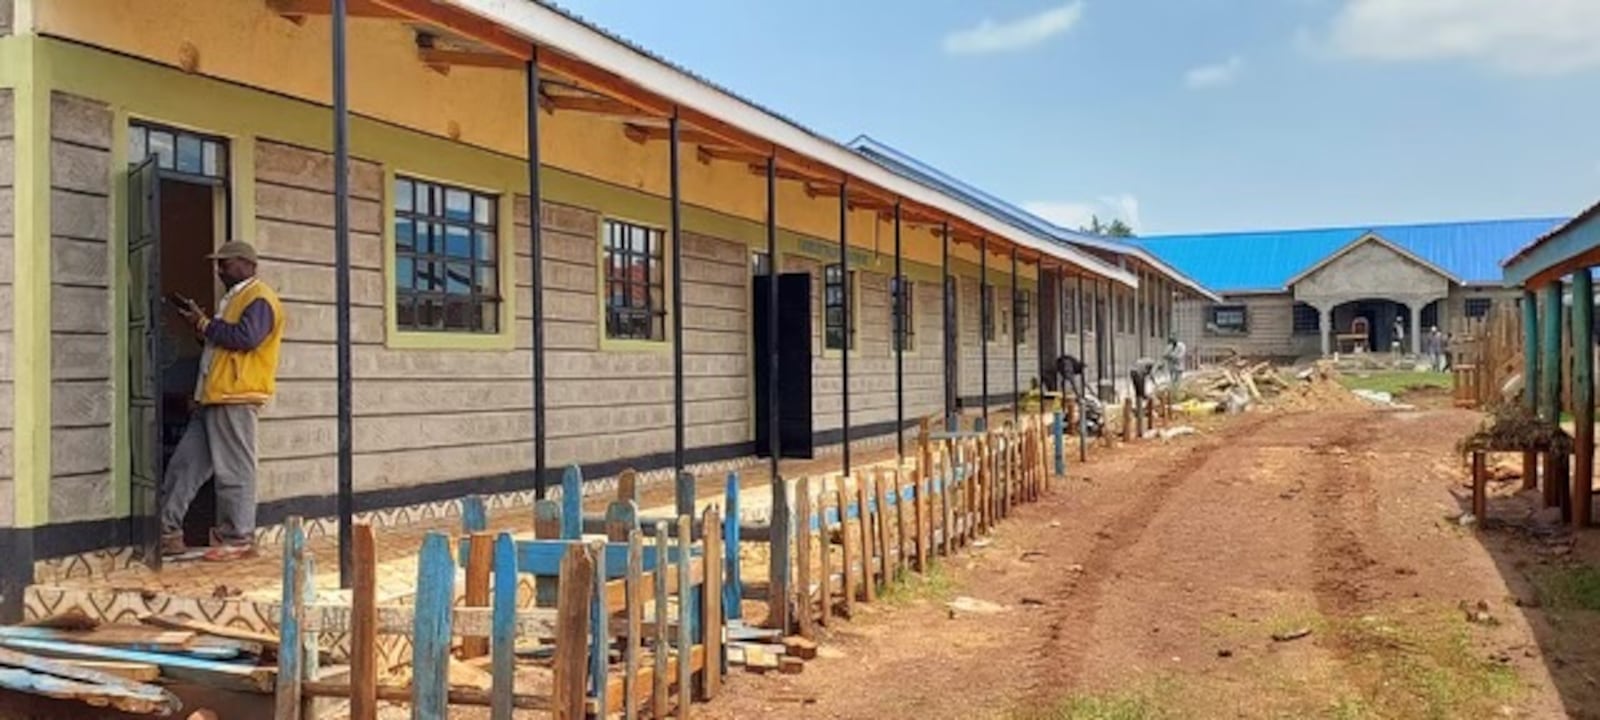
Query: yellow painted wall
243	42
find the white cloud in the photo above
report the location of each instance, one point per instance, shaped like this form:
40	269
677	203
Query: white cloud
1215	74
989	36
1529	37
1074	215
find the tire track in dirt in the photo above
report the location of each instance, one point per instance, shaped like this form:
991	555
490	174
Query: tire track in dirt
1060	657
1345	512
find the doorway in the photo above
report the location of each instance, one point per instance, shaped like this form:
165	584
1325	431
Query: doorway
178	213
795	439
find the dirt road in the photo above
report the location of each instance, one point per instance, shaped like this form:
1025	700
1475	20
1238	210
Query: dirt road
1153	582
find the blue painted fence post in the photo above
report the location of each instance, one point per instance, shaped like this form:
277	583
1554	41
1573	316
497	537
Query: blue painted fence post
572	503
474	514
503	630
733	587
1058	431
291	619
599	627
430	637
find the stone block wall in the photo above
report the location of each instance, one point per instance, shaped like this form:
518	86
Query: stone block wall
80	310
970	325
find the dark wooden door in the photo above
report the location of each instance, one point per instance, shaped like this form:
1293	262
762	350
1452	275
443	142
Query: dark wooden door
794	365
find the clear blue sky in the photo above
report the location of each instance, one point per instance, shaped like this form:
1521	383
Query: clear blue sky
1201	114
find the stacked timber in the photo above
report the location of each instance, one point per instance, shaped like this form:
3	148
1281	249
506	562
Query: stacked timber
72	659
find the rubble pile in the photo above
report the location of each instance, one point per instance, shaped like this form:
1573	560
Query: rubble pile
1237	384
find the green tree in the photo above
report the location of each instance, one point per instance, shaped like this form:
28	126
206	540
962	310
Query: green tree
1116	228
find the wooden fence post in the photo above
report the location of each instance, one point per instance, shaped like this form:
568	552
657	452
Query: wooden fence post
599	628
711	627
634	598
869	570
824	552
802	556
572	503
363	625
735	583
291	623
686	619
846	571
571	669
480	556
661	651
503	633
431	633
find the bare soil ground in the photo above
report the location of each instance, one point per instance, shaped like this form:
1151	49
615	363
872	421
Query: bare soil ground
1152	583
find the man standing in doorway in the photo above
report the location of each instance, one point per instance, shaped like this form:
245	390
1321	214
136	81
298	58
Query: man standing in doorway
1398	338
238	374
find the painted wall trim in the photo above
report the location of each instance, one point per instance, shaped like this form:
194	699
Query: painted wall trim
31	373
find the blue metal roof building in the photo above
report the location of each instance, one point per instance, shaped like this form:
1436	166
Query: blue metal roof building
1238	262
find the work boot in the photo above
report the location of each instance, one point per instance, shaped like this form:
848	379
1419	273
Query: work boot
172	544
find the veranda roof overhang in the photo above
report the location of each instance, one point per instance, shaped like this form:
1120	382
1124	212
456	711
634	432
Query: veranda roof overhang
615	77
1571	246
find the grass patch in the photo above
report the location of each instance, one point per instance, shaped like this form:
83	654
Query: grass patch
1574	588
910	587
1421	665
1396	382
1129	704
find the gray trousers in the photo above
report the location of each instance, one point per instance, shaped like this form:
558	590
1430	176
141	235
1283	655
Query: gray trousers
220	444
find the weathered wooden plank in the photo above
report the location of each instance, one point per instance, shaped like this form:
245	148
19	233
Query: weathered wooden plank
86	694
178	623
869	591
628	486
849	584
571	671
571	503
901	556
660	680
130	637
137	672
480	557
132	696
622	518
919	499
430	638
503	635
824	552
599	629
546	526
711	604
945	495
235	676
290	618
364	624
735	584
648	675
634	602
802	544
685	619
402	694
880	495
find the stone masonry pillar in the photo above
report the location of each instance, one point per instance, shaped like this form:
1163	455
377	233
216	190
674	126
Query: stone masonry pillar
1325	329
1416	328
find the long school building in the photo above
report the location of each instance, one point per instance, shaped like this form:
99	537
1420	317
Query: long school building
136	135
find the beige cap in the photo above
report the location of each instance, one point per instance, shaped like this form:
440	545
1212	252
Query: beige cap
235	249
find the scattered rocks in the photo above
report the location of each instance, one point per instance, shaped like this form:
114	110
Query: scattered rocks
1291	635
1055	523
1478	614
1032	555
1224	653
1032	602
828	652
1075	568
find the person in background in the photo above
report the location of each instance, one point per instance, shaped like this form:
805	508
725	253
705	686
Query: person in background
1435	348
238	374
1397	342
1173	358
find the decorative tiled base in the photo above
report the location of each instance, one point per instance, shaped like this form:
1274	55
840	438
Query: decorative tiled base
99	563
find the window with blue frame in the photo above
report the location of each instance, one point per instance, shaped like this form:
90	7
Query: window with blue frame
446	261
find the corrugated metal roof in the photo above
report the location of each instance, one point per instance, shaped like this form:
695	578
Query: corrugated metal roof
905	165
1263	261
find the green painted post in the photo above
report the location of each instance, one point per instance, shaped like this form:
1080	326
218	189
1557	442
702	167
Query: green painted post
1550	377
1550	368
1530	378
1583	394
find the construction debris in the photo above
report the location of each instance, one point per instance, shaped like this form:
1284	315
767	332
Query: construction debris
1239	384
1512	427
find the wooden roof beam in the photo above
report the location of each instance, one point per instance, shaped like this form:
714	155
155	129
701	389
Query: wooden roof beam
736	155
462	23
645	133
598	105
297	11
443	60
